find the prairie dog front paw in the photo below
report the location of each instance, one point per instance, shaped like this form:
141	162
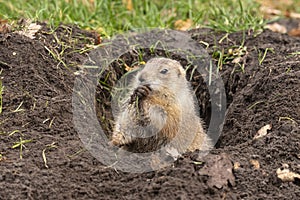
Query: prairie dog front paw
140	93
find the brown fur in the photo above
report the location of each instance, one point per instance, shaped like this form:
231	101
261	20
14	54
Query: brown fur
165	105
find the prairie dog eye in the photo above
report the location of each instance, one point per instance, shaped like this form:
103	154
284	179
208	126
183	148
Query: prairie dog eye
164	71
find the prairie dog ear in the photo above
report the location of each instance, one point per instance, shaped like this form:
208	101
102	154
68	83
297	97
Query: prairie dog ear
181	71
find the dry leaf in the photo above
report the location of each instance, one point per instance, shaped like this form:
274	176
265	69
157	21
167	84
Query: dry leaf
255	164
292	15
88	2
276	3
128	4
294	32
183	25
128	69
236	165
4	26
262	131
268	11
30	31
275	27
286	175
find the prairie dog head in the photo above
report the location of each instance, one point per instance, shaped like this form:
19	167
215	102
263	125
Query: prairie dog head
161	73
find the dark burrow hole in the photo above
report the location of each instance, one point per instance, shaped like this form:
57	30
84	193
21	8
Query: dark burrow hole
110	76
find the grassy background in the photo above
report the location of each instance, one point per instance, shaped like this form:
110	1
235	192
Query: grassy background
112	16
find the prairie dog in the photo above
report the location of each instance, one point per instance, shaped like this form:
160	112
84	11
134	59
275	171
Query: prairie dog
160	110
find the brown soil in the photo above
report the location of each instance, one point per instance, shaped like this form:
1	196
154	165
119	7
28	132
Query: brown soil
37	106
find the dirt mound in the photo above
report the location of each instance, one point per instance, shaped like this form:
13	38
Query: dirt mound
261	76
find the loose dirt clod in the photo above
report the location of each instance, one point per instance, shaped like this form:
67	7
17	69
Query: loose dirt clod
219	170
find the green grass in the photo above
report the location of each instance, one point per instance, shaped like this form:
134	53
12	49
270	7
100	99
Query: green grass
232	16
110	17
262	56
20	145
